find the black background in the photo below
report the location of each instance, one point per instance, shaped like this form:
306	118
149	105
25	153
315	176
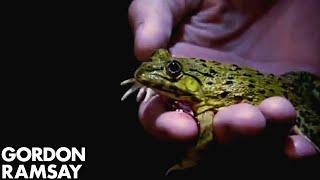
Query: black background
61	69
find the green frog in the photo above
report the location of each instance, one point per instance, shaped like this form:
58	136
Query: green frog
209	85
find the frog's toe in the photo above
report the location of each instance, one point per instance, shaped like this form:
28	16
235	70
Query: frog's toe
141	94
130	91
149	94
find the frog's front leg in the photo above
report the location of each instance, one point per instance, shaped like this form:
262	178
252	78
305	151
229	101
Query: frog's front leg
205	129
204	111
195	153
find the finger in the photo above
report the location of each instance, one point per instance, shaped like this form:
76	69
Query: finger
298	147
169	126
278	110
152	23
238	120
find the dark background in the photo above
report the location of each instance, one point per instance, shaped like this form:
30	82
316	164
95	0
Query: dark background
61	69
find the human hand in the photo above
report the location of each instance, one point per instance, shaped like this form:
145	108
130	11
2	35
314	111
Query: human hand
230	32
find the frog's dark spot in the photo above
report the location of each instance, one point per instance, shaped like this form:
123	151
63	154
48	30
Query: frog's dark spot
248	75
271	90
213	72
224	94
230	77
209	82
259	73
229	82
251	86
204	65
235	67
203	73
262	91
249	98
238	98
252	81
202	60
156	69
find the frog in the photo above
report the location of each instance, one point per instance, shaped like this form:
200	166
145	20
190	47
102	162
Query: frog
208	85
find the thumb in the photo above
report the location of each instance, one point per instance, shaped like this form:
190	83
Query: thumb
152	23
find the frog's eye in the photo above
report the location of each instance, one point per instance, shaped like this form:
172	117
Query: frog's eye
174	68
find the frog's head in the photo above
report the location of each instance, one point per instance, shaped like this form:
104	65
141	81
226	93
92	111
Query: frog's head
177	78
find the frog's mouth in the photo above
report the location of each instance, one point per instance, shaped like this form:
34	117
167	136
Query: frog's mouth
181	106
145	94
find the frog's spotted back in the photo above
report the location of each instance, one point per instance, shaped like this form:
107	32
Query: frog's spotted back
209	85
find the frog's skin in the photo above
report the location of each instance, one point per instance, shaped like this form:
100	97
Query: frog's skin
209	85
